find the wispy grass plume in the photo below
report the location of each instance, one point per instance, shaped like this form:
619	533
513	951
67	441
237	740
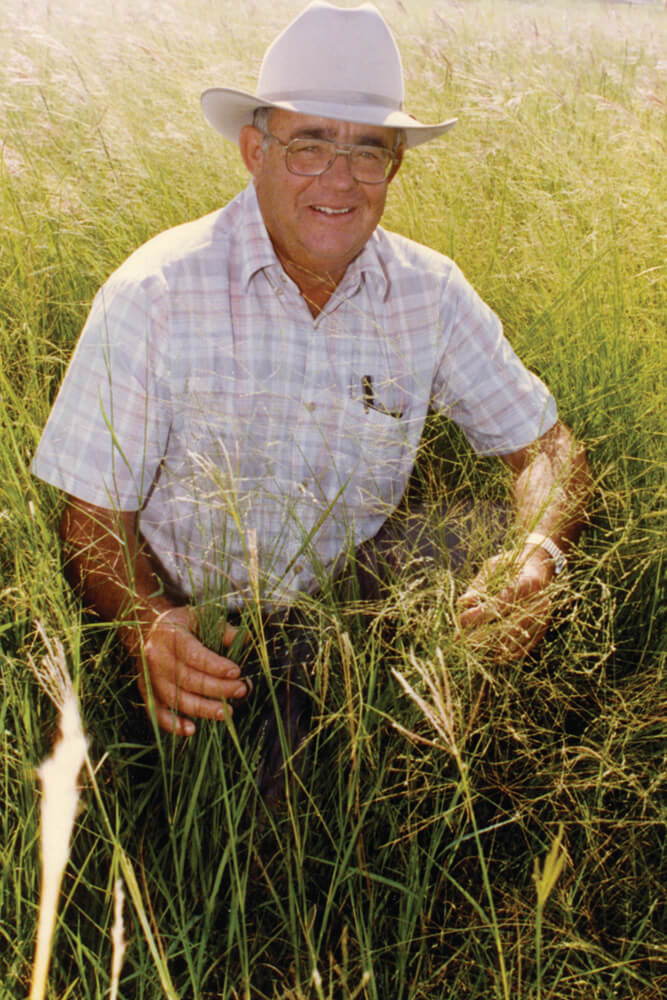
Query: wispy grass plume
117	939
59	776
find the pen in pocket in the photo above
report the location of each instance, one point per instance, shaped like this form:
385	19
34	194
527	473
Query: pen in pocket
368	396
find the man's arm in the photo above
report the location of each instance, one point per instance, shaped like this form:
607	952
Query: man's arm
177	675
551	487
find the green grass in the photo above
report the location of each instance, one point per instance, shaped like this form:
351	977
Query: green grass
405	866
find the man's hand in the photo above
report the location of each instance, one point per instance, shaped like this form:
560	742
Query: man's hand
179	677
505	609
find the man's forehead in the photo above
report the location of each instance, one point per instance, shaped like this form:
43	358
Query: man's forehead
293	124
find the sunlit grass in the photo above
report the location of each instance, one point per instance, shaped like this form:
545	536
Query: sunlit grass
399	868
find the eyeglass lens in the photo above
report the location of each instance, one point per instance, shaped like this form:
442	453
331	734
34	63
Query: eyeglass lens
309	157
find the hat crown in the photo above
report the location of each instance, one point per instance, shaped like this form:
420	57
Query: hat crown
334	51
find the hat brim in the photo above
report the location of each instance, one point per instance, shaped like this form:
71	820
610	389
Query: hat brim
229	110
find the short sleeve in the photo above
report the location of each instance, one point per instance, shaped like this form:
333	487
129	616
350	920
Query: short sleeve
107	432
480	382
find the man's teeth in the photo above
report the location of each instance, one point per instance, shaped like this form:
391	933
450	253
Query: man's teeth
331	211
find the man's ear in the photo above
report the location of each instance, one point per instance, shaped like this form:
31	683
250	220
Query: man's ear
251	145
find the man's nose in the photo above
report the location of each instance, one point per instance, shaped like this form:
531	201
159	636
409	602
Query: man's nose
340	171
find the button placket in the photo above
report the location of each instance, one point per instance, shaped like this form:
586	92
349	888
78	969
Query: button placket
313	404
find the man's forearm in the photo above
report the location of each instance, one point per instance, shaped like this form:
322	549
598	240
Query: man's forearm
105	563
551	487
509	596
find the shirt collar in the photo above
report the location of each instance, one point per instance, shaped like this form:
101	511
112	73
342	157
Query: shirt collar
257	253
366	267
256	247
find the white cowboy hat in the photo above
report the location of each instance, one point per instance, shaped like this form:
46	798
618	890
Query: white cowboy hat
330	62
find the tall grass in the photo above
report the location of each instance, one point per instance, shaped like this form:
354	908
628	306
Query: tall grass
417	855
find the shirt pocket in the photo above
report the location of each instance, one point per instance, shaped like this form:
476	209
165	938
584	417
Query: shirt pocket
377	450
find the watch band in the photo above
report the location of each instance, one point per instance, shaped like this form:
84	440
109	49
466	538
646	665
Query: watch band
546	543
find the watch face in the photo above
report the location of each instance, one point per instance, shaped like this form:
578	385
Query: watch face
559	559
559	564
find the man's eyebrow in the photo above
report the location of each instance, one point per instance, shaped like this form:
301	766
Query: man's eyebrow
312	132
371	140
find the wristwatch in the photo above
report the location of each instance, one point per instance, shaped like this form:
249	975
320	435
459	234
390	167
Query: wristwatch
546	543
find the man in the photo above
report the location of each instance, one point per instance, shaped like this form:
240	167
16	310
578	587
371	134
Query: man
245	403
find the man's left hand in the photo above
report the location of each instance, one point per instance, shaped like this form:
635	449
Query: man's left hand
505	610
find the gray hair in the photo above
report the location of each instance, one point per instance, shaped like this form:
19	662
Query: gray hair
260	120
262	117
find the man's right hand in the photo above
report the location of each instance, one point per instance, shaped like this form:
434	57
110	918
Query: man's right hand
180	679
178	676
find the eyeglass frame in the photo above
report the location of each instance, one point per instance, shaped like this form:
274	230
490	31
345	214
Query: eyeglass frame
338	149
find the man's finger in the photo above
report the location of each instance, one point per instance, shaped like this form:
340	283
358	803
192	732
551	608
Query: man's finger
472	597
485	609
190	651
229	633
478	614
171	722
172	712
191	681
197	707
166	718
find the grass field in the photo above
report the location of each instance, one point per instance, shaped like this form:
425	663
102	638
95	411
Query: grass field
464	830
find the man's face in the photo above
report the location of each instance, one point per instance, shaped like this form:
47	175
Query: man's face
319	224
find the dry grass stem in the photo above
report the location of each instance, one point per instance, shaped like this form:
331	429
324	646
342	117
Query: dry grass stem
118	942
59	776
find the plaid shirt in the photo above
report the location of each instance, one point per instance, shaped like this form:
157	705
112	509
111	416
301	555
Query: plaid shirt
258	442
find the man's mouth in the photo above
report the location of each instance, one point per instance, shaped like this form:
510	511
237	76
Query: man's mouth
325	210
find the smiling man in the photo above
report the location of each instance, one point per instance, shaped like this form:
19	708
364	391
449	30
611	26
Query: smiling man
243	410
321	185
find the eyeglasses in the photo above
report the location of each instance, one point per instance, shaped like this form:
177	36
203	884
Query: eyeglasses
311	157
